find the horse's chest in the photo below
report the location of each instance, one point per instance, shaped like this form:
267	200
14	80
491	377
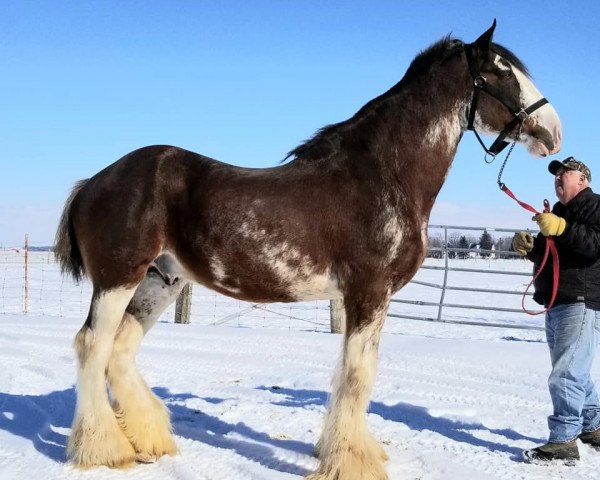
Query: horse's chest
400	234
406	248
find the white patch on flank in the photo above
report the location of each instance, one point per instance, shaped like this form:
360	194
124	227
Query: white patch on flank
217	268
219	274
248	232
447	129
303	282
293	269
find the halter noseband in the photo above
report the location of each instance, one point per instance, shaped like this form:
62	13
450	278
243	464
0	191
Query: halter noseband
480	85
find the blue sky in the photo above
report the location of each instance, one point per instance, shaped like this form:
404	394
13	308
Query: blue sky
83	83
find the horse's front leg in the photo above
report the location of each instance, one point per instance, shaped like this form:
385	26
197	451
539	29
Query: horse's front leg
347	449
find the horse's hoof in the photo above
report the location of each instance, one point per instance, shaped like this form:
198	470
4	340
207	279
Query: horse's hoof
96	444
144	457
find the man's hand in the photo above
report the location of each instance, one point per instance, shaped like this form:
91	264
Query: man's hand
550	224
523	243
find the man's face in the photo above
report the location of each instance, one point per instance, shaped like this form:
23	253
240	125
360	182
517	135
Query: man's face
567	184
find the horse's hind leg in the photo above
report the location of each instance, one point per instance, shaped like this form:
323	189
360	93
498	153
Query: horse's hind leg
347	449
141	415
96	438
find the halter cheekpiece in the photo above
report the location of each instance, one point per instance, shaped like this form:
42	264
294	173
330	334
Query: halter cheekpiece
480	84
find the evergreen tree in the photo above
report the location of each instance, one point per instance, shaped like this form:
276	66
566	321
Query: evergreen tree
463	243
485	243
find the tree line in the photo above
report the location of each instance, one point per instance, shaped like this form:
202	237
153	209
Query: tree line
473	243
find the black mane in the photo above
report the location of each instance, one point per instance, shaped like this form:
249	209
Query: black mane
327	140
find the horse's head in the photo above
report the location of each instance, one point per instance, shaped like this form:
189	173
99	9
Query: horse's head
506	102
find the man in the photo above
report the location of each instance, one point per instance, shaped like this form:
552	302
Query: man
573	323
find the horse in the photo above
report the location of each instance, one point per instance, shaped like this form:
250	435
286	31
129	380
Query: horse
344	216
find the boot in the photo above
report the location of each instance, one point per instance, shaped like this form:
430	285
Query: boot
591	438
566	452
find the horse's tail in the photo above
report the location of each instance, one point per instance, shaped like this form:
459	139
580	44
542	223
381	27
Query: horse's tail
66	249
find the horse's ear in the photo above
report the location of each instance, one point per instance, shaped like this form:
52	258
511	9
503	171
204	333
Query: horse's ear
483	42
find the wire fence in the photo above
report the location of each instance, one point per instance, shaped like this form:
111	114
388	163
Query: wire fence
50	293
475	288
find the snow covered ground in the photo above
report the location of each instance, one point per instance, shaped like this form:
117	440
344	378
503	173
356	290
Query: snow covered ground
450	401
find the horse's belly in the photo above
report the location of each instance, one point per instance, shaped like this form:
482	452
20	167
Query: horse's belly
280	286
317	287
273	278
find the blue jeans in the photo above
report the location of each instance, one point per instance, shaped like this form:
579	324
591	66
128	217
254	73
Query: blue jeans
573	332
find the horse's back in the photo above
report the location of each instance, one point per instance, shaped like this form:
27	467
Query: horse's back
273	234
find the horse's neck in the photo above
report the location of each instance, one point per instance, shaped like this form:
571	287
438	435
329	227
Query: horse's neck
424	131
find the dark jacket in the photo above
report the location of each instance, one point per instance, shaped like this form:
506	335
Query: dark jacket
578	254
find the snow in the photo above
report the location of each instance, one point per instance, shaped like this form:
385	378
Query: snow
450	401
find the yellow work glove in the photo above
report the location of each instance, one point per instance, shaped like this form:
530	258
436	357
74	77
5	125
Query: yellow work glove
550	224
523	243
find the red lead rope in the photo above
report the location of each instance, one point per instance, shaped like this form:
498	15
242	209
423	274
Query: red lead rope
550	248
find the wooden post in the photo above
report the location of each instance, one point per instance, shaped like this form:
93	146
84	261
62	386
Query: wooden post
26	272
183	305
337	315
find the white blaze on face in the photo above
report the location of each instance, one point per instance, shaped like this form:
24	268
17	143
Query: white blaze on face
545	116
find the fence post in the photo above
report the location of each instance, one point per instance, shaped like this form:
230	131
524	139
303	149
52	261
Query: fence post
337	315
445	282
183	305
26	273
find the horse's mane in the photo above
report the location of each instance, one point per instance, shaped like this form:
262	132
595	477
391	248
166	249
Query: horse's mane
327	140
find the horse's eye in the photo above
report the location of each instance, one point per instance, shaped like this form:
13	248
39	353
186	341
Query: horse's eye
506	73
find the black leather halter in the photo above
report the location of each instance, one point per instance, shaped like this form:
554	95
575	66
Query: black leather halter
480	85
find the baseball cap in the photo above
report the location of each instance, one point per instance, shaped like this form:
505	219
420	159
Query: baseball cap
570	163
